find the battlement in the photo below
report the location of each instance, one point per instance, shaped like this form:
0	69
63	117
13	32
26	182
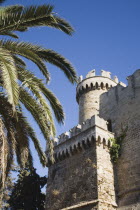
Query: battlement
104	73
95	120
121	92
134	79
93	82
82	136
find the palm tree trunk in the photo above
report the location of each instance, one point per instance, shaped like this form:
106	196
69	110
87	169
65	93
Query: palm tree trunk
3	160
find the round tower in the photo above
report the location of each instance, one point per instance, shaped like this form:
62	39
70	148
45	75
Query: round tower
89	90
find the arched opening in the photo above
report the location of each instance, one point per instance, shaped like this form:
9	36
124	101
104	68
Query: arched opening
75	149
91	85
63	155
96	85
104	142
67	153
88	143
99	139
86	86
109	125
102	85
92	140
83	144
106	85
83	89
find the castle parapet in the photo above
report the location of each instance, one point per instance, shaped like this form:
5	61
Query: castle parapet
93	82
75	130
105	74
63	137
82	136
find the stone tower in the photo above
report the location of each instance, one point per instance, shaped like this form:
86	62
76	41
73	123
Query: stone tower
89	91
83	176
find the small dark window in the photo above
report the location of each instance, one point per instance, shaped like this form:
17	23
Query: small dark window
83	89
106	86
96	85
102	85
109	125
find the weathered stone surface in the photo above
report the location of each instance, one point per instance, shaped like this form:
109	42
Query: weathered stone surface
68	178
83	176
122	106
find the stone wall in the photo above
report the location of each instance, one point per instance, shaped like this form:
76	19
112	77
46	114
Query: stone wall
72	180
83	173
105	177
122	106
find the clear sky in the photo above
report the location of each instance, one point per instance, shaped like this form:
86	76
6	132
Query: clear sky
107	36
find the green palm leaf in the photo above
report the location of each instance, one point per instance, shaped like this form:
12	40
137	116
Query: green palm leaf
32	135
22	146
33	84
38	54
9	76
8	33
43	117
26	50
33	16
41	113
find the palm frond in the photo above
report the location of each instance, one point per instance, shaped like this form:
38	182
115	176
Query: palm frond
19	61
38	148
6	114
8	33
37	54
22	141
61	24
33	16
9	76
59	61
26	50
41	114
33	84
17	135
12	9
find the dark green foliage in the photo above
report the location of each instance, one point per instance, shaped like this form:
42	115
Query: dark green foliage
27	193
6	192
9	184
115	150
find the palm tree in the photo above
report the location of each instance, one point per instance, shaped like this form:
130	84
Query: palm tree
19	86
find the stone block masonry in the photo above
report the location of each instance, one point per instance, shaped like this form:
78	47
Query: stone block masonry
83	172
83	176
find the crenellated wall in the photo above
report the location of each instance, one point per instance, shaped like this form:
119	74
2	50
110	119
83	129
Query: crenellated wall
94	129
79	175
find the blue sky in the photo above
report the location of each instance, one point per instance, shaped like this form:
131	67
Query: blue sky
107	36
